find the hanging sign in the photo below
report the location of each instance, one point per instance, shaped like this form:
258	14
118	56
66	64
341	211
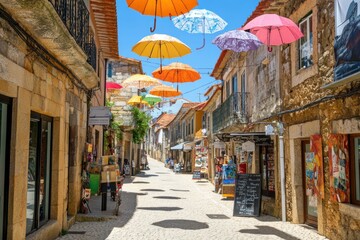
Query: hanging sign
248	146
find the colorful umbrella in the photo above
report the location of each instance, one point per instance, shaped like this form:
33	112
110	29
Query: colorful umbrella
160	46
177	73
140	81
113	85
237	41
274	30
165	91
200	21
151	99
135	100
161	8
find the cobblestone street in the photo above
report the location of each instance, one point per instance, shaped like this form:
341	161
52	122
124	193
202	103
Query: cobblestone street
159	204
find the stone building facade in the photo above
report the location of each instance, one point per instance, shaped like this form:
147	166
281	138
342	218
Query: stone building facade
315	104
47	82
299	86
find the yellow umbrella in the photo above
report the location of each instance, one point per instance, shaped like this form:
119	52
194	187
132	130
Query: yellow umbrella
134	100
161	8
165	91
161	46
177	73
140	81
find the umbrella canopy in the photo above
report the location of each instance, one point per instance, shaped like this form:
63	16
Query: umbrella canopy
177	73
113	85
200	21
140	81
134	100
151	99
237	41
165	91
160	46
274	30
161	8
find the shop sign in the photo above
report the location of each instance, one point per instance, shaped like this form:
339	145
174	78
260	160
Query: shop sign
219	145
269	130
99	116
248	146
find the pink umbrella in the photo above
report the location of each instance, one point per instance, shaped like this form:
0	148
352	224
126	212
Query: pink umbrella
274	30
113	86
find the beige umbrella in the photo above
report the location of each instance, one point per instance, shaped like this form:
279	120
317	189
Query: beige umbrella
160	46
140	81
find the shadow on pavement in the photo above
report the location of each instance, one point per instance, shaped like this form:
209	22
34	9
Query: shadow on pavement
162	172
266	230
267	218
182	224
202	181
217	216
141	182
180	190
144	175
152	190
168	209
168	197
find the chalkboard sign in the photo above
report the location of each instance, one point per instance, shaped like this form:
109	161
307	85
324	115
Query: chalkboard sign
196	175
247	195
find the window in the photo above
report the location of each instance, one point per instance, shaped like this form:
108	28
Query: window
192	125
306	43
243	92
208	122
355	169
227	86
234	83
5	126
38	190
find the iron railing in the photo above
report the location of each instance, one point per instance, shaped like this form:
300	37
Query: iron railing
76	18
231	112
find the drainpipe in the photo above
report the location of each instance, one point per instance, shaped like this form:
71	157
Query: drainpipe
280	129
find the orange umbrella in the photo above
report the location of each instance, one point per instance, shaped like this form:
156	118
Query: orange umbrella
177	73
165	91
161	8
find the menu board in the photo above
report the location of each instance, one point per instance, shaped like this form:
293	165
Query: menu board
247	195
196	175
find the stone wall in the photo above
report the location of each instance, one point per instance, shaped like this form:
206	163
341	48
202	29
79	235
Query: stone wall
302	91
36	85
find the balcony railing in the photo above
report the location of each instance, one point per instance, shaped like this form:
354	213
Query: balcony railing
75	16
231	112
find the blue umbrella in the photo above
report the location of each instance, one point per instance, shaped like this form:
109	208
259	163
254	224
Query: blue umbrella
237	41
200	21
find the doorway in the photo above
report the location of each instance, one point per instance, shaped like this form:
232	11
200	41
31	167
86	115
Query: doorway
5	126
310	201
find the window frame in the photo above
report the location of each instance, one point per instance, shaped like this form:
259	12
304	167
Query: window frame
36	218
306	20
352	169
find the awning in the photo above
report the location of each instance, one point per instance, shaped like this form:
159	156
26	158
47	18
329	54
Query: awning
180	146
184	146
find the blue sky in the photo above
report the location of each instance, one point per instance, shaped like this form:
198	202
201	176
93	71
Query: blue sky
133	26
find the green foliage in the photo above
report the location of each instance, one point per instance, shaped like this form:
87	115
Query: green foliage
113	132
141	120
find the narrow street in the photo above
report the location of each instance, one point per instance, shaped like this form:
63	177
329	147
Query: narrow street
159	204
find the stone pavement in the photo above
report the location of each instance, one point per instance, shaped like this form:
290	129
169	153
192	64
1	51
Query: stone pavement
159	204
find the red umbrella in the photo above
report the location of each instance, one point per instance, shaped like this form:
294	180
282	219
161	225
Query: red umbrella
113	86
274	30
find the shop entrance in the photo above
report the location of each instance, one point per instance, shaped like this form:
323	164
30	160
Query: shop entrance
5	126
39	172
310	201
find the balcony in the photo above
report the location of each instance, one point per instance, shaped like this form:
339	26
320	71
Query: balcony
75	16
231	112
